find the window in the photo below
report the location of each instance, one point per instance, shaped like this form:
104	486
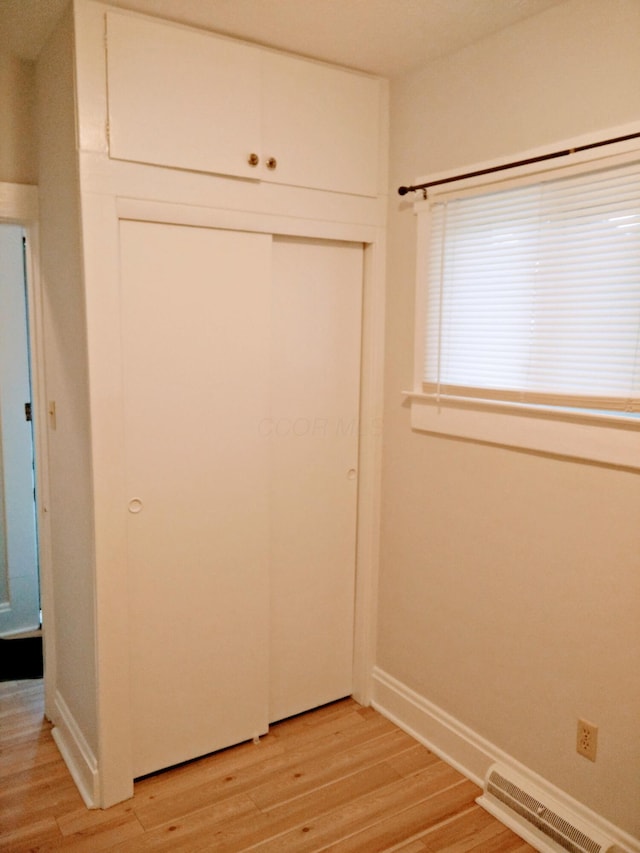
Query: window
529	303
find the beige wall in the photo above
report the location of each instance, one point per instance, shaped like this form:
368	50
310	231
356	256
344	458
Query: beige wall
17	139
510	582
65	356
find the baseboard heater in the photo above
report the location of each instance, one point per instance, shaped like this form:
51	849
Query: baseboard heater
538	818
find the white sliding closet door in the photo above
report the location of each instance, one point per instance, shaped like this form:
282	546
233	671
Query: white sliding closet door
196	307
313	430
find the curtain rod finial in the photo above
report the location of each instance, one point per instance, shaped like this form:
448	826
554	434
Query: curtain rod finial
404	190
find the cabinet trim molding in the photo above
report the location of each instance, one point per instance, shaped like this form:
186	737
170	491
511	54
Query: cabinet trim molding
237	220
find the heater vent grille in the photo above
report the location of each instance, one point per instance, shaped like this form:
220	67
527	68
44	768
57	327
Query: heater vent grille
531	808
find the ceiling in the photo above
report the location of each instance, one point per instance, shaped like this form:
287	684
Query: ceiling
386	37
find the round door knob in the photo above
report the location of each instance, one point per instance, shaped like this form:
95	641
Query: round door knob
253	159
135	505
272	163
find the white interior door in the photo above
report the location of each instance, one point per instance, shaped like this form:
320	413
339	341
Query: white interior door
19	580
313	428
196	306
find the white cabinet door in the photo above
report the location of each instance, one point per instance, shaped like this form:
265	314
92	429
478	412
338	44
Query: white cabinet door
313	432
196	304
321	124
187	99
183	98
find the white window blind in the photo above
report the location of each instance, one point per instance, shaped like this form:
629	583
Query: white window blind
534	293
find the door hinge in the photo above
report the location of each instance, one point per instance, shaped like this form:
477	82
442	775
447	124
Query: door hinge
27	411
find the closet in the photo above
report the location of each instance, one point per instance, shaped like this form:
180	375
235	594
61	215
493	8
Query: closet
241	365
233	309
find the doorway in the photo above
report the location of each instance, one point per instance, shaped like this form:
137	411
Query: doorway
19	569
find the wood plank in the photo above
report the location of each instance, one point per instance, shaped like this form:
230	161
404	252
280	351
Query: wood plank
28	754
411	847
102	836
413	760
28	779
354	816
36	835
463	831
341	778
82	819
298	730
504	842
195	829
401	824
226	777
307	775
55	800
280	820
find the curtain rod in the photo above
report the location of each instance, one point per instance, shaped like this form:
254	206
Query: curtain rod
527	162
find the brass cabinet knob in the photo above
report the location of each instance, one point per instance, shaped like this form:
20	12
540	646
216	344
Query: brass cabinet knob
272	163
253	159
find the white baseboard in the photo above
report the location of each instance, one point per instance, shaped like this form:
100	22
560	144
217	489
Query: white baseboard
467	751
76	753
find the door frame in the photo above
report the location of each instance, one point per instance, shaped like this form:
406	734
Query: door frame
19	206
102	210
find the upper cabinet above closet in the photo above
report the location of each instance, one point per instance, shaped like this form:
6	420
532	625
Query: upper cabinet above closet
188	99
182	98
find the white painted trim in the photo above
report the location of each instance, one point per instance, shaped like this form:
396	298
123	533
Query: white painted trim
144	210
470	753
596	439
101	216
137	181
18	203
449	739
76	753
101	255
370	467
35	308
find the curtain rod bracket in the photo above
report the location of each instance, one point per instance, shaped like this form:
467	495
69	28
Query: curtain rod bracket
405	190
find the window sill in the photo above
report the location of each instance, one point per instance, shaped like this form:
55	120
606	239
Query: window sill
596	438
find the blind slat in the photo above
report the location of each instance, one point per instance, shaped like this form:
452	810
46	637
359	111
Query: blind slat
535	291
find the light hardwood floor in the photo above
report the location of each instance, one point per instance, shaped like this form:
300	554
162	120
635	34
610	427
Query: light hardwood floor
341	778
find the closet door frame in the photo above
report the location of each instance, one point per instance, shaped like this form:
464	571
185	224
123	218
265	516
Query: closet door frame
107	776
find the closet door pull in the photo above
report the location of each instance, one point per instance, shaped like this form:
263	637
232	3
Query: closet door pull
272	163
135	505
253	159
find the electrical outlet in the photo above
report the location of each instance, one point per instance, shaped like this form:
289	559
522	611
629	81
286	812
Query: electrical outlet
587	740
